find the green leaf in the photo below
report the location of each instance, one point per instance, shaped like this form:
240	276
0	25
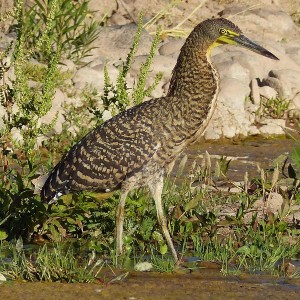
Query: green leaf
244	250
163	249
240	212
191	204
3	235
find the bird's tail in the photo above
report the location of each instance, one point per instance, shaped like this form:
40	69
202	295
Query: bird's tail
55	185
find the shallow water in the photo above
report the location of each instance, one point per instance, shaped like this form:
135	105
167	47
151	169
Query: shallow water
245	155
203	284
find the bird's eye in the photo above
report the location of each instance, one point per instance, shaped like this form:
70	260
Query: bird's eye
222	31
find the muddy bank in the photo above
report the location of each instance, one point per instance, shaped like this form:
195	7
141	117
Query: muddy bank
205	284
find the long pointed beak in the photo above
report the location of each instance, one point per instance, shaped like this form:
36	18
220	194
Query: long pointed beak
241	40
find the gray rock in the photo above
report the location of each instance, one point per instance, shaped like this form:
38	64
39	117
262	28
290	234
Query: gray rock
295	211
272	127
96	63
253	130
114	43
87	75
39	183
171	48
160	63
234	70
263	18
286	82
267	92
293	115
5	6
17	136
251	108
106	115
2	115
295	58
2	278
273	204
255	94
5	40
293	50
118	19
295	103
257	66
102	8
230	118
143	266
67	65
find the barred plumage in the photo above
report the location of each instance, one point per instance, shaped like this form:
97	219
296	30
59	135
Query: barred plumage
138	146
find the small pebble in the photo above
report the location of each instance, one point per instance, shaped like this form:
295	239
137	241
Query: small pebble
2	277
143	266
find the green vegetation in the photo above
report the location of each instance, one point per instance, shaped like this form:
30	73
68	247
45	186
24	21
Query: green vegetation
273	108
65	23
118	97
49	264
77	233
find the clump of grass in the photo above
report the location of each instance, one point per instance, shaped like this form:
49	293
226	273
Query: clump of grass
163	263
55	263
275	107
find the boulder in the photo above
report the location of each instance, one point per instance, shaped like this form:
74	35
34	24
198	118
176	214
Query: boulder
114	42
272	127
285	81
103	8
230	117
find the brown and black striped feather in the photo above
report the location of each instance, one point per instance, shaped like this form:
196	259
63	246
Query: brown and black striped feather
111	152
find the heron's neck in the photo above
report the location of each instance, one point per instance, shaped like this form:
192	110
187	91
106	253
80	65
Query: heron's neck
193	73
194	84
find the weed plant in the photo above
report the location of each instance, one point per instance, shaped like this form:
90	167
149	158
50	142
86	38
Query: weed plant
275	107
118	97
24	106
73	31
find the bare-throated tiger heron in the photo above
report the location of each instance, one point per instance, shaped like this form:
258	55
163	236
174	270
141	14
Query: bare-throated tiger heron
137	147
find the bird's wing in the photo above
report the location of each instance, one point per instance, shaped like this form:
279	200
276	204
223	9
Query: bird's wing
108	154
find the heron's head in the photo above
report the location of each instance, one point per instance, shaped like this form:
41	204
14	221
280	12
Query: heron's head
221	31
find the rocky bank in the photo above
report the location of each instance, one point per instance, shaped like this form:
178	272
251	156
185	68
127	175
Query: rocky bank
247	80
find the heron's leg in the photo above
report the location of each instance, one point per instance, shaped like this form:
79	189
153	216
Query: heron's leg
156	188
119	222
